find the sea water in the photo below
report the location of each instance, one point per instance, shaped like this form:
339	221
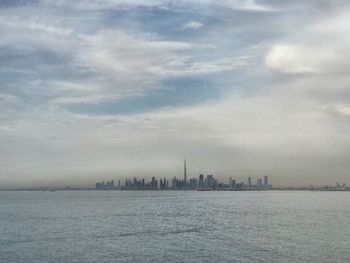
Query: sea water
174	226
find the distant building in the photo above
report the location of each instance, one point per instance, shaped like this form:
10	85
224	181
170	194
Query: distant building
259	182
266	180
105	186
233	184
203	183
154	183
185	175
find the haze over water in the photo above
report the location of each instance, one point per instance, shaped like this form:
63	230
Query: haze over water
174	226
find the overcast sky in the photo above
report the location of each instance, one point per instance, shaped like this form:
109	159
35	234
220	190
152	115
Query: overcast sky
100	89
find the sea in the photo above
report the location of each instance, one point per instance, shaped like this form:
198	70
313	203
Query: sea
174	226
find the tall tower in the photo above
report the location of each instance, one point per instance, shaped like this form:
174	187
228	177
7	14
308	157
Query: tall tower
185	174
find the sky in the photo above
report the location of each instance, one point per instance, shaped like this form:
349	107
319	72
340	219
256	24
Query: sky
94	90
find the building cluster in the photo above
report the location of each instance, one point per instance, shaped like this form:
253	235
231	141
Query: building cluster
260	183
202	183
134	184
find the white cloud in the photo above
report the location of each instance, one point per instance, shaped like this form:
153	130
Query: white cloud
289	58
321	47
15	23
343	109
116	63
244	5
249	5
130	64
193	25
6	98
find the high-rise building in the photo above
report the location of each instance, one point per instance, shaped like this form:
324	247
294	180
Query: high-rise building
185	174
249	181
259	182
266	180
201	178
201	181
153	183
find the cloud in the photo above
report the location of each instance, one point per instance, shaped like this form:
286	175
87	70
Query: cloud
321	48
271	134
280	104
193	25
16	23
243	5
289	58
249	5
5	98
104	65
342	109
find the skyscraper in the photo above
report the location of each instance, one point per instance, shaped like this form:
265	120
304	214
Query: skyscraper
266	180
185	175
259	182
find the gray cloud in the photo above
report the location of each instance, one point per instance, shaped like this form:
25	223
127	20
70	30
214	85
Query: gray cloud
283	108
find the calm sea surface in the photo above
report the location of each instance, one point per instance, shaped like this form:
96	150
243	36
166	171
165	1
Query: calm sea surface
174	226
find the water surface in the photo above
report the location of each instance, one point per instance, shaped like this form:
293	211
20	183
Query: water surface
174	226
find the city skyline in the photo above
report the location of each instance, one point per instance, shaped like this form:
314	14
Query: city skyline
96	89
201	183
